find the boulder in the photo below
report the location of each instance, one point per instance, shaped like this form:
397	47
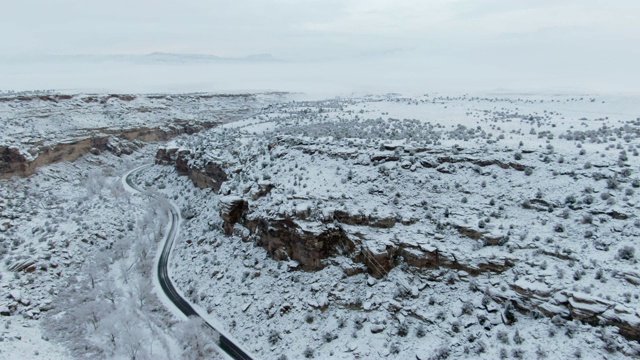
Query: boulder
232	210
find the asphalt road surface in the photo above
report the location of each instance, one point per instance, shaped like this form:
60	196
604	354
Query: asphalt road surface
228	346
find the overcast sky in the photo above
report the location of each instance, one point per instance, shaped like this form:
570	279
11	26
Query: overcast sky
310	28
570	36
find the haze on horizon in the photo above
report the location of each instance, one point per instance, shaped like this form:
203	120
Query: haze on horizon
336	45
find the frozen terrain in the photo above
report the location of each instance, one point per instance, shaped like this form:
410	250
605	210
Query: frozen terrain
469	219
431	226
49	117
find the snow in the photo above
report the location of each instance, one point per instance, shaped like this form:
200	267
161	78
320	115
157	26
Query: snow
23	339
325	185
47	227
35	120
433	177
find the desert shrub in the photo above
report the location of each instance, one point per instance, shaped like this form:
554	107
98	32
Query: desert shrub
455	326
588	199
420	331
571	329
441	353
541	354
329	336
608	342
543	266
309	318
517	353
308	352
274	337
623	156
503	337
599	274
577	354
474	286
598	176
626	252
528	171
558	321
403	329
467	308
517	156
625	172
509	314
451	278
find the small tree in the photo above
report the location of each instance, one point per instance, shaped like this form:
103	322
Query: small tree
198	340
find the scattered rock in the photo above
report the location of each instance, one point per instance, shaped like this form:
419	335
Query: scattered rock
377	328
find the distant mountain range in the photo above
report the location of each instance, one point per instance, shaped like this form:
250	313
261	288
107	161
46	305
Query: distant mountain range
156	57
176	57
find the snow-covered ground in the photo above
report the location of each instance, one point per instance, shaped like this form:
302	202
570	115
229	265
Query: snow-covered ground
37	118
527	202
77	263
545	184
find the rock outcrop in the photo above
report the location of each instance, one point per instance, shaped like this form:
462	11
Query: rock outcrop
313	237
345	217
233	210
16	162
310	246
529	296
211	175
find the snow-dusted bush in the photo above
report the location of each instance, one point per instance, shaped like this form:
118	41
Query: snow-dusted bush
626	252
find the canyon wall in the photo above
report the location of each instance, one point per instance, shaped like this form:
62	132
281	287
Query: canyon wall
14	162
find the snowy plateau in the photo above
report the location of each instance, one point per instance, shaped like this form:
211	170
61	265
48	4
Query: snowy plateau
423	226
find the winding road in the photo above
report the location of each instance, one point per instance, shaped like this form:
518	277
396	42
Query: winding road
228	346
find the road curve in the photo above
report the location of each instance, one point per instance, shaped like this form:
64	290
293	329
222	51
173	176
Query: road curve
228	346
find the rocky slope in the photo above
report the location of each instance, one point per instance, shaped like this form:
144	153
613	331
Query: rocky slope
14	162
540	221
43	129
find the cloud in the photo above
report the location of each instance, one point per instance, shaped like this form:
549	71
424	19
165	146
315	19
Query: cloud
295	28
503	37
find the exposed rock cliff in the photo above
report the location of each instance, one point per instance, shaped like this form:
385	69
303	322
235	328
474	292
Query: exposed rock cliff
14	162
209	175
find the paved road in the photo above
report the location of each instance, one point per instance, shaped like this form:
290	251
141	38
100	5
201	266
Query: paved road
225	343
